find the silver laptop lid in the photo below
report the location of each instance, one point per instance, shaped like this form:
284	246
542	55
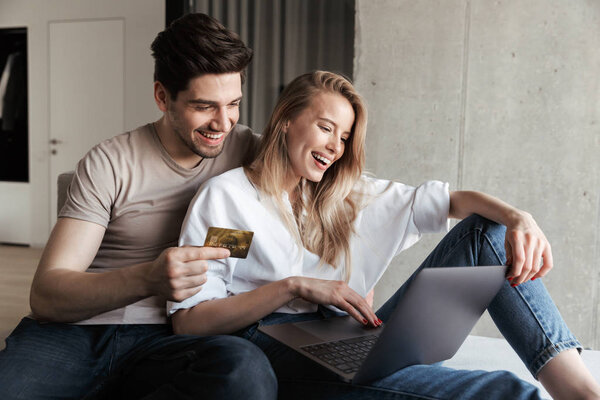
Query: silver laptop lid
433	318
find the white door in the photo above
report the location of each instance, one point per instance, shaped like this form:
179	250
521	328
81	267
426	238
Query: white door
89	78
87	89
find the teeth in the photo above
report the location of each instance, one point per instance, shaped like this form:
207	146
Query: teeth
325	161
211	136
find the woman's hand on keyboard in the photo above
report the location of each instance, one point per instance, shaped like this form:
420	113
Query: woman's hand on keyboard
335	293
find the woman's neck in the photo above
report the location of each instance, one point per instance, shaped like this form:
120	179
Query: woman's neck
291	188
289	185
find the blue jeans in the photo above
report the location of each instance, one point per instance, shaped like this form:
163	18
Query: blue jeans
63	361
525	315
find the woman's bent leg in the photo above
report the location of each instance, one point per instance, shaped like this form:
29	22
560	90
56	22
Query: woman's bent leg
525	315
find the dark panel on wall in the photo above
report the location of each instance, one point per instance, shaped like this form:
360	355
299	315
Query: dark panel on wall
14	126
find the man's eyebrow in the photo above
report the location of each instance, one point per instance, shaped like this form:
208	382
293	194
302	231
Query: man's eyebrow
210	102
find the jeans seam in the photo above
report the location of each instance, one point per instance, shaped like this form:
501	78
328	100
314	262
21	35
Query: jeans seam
114	351
531	366
491	244
369	388
475	230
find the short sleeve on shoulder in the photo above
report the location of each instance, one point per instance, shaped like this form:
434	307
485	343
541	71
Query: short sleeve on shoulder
92	191
395	216
431	207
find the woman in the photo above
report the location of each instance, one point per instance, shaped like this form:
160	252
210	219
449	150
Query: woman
324	234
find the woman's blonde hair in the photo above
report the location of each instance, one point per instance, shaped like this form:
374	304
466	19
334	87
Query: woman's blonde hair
324	212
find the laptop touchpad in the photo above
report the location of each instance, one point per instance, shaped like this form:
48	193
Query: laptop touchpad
336	328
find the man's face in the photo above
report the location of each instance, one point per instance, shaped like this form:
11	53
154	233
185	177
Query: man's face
204	114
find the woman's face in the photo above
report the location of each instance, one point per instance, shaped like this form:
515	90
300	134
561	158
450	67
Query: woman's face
317	136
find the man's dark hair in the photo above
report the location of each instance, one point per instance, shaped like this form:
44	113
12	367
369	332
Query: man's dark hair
193	45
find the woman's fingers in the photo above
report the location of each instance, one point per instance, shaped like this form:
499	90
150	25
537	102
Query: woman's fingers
548	262
354	304
518	255
508	252
528	243
364	309
340	295
370	297
358	313
536	262
357	307
353	312
530	254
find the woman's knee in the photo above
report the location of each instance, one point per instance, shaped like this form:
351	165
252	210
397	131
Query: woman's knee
490	233
484	225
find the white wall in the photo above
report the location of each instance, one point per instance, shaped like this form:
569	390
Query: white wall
143	20
502	97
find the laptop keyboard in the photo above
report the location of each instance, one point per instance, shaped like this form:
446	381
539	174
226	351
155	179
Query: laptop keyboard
346	355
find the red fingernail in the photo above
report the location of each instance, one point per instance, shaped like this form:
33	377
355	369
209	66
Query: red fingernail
510	278
364	321
514	285
380	321
533	279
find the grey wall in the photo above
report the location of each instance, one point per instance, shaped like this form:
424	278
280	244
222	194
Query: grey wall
497	96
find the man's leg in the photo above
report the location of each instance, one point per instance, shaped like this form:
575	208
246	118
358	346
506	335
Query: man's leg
56	361
193	367
525	315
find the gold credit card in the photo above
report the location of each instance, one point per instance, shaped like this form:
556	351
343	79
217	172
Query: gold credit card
238	242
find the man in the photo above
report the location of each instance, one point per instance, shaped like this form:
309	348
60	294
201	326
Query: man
98	296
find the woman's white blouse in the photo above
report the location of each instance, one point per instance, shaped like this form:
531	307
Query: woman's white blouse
393	218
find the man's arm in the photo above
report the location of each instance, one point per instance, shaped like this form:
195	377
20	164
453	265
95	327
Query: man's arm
63	292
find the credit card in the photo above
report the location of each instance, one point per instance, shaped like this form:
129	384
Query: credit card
237	241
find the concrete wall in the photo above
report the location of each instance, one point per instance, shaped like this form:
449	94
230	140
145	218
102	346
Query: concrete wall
497	96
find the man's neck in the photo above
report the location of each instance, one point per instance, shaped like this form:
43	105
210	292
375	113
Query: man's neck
178	151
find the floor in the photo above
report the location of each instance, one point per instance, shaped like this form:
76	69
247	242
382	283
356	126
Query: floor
492	354
17	267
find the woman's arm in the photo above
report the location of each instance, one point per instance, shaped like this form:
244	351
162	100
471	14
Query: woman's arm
526	245
227	315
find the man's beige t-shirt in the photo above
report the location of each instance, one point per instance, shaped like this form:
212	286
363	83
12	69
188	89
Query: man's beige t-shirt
131	186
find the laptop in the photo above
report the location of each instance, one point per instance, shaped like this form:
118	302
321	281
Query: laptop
429	324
